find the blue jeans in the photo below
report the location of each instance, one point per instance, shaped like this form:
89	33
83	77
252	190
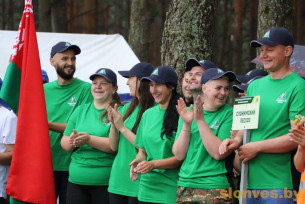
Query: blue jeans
271	196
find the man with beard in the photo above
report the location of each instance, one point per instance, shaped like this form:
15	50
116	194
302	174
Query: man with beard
62	97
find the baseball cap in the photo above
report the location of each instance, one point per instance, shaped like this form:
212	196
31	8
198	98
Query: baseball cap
45	77
275	36
142	69
242	88
250	75
205	64
0	83
106	73
63	46
163	75
216	73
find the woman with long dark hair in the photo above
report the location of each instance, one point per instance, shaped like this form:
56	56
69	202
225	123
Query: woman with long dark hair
155	136
123	133
88	129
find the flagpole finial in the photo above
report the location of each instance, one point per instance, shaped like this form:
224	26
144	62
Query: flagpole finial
28	2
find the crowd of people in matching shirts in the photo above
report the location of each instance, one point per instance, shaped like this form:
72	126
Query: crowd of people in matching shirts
166	148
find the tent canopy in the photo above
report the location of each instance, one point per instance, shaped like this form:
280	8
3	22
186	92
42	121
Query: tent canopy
97	51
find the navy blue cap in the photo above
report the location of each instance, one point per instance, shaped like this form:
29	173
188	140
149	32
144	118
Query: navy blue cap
63	46
106	73
0	83
244	87
205	64
216	73
250	75
142	69
2	103
275	36
163	75
45	77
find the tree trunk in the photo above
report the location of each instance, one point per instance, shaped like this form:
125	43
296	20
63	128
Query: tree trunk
142	19
3	16
300	19
90	16
44	14
188	32
253	27
59	16
274	13
239	8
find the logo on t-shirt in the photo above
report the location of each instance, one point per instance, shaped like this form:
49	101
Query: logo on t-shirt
281	98
72	101
215	125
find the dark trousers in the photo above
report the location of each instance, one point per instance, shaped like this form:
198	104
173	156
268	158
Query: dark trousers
81	194
61	181
116	198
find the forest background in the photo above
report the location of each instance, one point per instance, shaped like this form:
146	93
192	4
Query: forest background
168	32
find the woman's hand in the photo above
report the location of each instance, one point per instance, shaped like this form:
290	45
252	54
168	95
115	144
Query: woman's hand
133	165
117	118
187	116
198	109
144	167
109	113
82	139
297	135
72	137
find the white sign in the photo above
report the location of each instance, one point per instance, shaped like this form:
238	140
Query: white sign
245	113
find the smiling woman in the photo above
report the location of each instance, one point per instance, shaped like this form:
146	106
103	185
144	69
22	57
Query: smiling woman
86	136
155	136
203	176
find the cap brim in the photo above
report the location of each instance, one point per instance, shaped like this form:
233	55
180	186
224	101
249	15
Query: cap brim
240	88
190	63
241	78
125	74
75	48
94	75
231	75
263	41
153	78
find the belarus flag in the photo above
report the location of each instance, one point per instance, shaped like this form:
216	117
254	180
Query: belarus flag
31	174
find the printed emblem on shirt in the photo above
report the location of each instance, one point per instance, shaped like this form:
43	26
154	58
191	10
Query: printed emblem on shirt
215	125
72	101
281	98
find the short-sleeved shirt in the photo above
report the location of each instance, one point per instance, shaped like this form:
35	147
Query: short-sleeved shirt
8	126
199	169
280	101
61	101
159	185
89	166
120	182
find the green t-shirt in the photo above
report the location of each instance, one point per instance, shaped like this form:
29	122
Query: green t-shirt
280	101
120	182
159	185
200	169
61	101
89	166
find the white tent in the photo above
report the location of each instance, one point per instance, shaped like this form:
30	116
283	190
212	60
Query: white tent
97	51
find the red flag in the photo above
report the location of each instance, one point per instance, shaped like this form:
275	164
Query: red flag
31	174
